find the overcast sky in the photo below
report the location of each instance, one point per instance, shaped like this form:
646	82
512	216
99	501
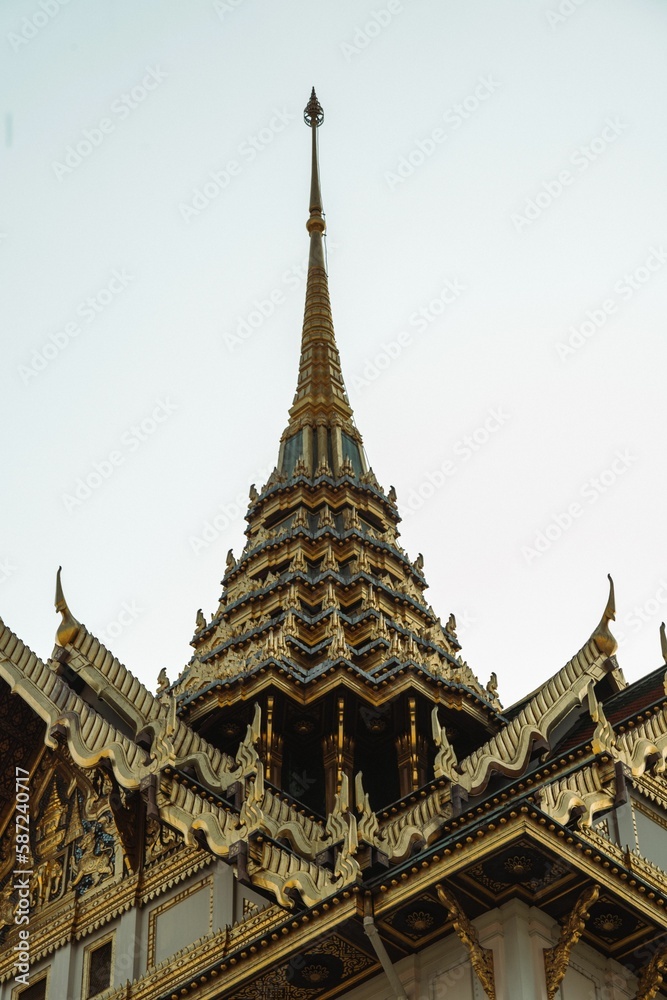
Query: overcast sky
493	173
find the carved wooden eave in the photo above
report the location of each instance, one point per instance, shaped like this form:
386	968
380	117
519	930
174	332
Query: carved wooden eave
117	687
640	751
510	750
590	791
418	824
91	738
402	678
107	678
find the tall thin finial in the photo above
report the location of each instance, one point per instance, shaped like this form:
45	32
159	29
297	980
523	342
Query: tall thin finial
313	116
69	626
321	428
602	637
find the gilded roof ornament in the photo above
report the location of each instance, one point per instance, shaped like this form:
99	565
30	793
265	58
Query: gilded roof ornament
69	626
557	959
604	738
663	642
602	637
481	958
652	976
446	760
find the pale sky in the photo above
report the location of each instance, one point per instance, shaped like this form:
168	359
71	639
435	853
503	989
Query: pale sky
493	174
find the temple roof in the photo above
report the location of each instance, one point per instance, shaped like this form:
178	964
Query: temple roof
323	583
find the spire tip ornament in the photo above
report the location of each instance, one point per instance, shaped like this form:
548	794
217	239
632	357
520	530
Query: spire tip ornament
313	115
602	637
69	626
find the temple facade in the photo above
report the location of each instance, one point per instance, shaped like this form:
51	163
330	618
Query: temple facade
327	802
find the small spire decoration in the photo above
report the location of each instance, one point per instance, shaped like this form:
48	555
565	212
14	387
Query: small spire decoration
69	626
602	637
313	114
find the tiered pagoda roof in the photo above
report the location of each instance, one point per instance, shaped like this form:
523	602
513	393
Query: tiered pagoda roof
328	742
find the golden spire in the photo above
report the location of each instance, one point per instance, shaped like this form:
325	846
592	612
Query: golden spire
313	116
69	626
320	419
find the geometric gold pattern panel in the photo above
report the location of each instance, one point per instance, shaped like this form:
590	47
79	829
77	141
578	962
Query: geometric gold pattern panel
312	975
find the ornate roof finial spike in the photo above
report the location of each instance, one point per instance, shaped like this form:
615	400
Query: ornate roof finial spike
602	637
663	642
69	626
313	117
313	113
610	611
321	432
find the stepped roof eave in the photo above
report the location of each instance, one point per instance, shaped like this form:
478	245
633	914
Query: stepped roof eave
402	677
642	697
616	675
313	483
322	534
91	736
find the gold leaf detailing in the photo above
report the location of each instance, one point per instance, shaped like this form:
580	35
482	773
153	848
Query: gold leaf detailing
557	959
481	958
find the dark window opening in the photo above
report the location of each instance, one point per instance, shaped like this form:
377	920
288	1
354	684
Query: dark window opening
37	991
99	969
303	772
